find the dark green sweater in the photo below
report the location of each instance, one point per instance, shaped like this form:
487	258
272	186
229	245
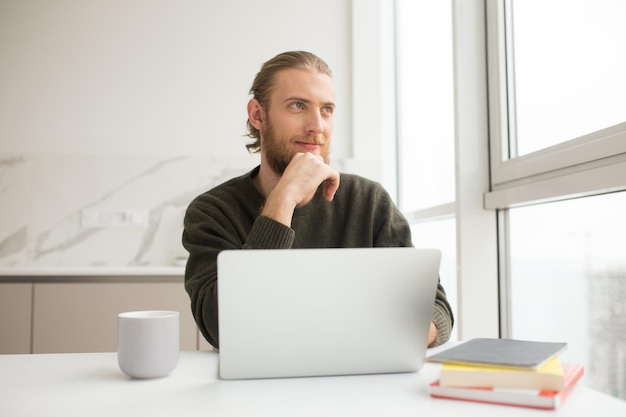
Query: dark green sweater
362	214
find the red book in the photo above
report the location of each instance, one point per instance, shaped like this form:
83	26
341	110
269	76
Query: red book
519	397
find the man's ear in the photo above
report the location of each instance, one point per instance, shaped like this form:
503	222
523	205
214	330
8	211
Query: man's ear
256	113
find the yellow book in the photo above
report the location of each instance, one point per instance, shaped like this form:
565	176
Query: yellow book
550	376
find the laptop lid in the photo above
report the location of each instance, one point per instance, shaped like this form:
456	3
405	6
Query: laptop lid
314	312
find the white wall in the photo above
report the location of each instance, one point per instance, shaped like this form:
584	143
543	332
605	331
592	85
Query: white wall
153	77
115	105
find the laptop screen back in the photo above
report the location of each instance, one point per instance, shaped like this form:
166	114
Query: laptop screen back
314	312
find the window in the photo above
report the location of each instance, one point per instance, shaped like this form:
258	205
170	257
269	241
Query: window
568	282
555	116
558	175
426	176
568	273
425	103
532	221
569	61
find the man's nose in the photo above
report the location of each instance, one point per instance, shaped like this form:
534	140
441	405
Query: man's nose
315	123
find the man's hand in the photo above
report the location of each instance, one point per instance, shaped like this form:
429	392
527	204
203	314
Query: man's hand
432	334
298	185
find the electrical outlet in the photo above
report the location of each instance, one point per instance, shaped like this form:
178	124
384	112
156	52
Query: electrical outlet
102	217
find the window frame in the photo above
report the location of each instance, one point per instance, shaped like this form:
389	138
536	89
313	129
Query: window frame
487	184
477	312
589	165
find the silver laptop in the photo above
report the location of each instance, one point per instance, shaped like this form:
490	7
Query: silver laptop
316	312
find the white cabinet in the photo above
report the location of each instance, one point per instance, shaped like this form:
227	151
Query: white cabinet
15	317
82	316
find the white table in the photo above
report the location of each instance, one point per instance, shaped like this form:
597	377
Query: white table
91	384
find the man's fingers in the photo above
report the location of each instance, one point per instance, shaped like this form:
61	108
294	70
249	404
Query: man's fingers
330	186
308	171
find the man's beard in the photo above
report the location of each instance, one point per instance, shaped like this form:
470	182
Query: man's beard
277	153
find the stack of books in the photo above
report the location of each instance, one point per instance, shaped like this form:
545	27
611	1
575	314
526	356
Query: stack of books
506	371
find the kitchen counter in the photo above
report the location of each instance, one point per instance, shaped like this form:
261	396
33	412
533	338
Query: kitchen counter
91	274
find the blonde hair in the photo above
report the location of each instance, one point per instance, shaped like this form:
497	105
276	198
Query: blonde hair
265	78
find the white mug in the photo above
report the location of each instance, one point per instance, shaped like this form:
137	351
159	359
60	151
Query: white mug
148	343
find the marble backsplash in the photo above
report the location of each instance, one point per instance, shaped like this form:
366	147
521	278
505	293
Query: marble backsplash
48	201
44	201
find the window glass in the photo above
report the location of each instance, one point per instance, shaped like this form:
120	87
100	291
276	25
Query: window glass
441	234
568	283
569	65
425	103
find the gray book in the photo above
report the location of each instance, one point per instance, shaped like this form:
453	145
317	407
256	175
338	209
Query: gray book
500	352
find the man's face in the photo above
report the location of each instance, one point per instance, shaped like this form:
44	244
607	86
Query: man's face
299	118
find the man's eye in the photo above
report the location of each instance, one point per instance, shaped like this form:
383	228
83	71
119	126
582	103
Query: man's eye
297	106
328	109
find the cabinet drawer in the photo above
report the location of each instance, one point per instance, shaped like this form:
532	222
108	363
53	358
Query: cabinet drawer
15	317
82	317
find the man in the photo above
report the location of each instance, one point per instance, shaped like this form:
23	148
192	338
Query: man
294	198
